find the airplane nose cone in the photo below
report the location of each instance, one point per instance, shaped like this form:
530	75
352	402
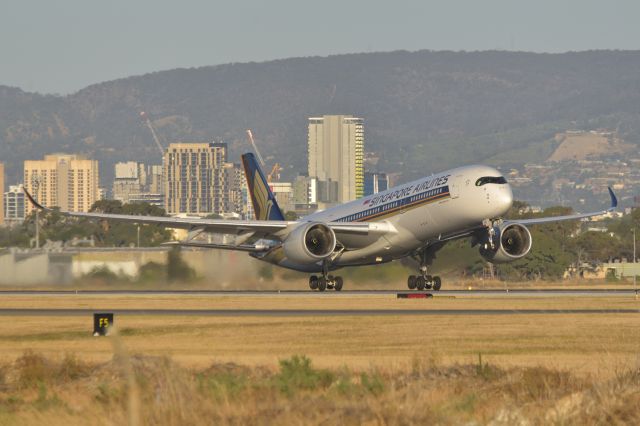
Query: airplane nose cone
505	198
501	200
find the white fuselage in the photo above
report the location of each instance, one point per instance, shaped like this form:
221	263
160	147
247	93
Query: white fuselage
419	212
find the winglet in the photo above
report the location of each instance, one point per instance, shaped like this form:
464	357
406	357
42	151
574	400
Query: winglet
614	199
32	200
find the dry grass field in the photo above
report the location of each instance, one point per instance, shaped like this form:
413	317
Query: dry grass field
589	343
558	368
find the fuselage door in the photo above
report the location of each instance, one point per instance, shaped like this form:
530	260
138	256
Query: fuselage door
454	185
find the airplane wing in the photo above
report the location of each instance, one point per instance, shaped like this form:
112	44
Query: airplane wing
541	220
272	228
464	233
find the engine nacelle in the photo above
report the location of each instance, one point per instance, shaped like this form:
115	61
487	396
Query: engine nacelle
309	243
511	242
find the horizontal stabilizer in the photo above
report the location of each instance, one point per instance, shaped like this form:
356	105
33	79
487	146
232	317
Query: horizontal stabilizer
242	247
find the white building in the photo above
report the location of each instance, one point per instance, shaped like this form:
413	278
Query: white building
13	205
335	155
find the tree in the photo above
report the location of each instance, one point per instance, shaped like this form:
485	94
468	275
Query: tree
177	268
107	206
597	246
122	234
290	216
547	259
55	226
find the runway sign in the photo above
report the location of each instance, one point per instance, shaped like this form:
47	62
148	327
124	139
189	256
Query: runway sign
414	295
101	323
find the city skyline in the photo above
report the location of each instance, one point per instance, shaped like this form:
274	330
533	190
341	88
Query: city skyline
571	177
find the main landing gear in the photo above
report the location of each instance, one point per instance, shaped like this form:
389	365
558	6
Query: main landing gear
424	280
322	283
325	281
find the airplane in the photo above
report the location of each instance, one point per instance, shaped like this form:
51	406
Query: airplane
413	220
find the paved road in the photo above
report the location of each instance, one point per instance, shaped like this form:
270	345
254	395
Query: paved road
552	292
308	312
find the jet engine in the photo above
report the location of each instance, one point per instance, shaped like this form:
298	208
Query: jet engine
510	242
309	243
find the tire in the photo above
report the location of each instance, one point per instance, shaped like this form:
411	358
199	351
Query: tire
428	281
411	282
338	284
313	282
322	284
437	283
420	283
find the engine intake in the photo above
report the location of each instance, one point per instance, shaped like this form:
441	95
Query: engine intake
514	241
310	243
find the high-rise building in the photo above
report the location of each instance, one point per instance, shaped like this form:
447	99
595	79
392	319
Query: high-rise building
194	178
302	189
130	178
2	192
155	180
375	182
13	205
67	181
136	182
336	150
283	191
239	200
147	197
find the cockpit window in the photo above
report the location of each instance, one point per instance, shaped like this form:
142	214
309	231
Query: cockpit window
490	179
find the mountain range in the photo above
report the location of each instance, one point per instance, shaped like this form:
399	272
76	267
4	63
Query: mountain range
423	111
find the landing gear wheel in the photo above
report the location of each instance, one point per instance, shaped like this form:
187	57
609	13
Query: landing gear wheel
337	284
322	284
411	282
330	282
437	283
428	281
420	283
313	282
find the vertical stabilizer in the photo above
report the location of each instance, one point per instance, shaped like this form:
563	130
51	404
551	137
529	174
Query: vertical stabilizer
264	202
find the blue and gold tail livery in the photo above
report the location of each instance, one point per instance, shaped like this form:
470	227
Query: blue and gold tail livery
264	202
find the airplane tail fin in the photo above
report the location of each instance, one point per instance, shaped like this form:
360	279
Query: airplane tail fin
264	202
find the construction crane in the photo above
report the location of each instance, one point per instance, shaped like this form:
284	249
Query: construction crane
144	117
274	176
255	147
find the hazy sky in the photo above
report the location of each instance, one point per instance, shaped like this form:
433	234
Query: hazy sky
62	46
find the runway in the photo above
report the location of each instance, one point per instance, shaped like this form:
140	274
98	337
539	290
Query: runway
305	312
551	292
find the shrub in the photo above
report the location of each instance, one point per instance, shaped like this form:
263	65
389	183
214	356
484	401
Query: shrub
71	368
102	273
33	369
152	272
297	373
372	383
222	384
